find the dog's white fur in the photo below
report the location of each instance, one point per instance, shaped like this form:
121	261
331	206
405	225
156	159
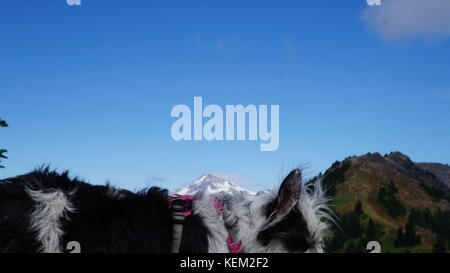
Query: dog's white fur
114	193
243	217
50	208
246	216
217	238
313	205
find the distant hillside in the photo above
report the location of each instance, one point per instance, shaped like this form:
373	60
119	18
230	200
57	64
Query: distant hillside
441	171
403	205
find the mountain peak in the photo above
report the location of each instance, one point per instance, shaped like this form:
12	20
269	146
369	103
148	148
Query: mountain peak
373	157
212	184
398	157
209	177
432	175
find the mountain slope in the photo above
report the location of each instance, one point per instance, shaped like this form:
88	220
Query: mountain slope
440	171
388	198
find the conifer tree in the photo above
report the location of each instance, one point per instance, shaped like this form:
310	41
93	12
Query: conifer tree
358	208
400	238
440	246
371	231
3	151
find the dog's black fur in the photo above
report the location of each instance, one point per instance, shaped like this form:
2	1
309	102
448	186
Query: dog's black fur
43	211
135	222
291	231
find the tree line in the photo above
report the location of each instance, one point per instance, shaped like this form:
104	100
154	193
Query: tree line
349	235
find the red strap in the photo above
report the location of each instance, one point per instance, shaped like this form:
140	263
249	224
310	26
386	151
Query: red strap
188	205
235	247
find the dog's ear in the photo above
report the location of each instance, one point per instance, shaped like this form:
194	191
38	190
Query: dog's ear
288	194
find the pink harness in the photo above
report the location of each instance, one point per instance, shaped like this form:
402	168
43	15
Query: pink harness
235	247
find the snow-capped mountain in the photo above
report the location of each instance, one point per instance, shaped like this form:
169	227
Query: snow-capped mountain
264	192
212	184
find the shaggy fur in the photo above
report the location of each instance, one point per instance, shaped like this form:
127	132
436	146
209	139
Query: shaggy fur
43	210
299	229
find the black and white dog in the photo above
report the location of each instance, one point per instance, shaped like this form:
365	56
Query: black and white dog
42	211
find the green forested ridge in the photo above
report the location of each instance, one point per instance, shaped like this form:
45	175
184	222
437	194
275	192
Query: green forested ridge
374	202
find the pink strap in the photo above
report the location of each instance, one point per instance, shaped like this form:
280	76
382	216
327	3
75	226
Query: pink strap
188	209
218	206
235	247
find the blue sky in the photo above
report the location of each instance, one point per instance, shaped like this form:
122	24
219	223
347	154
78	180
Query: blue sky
90	88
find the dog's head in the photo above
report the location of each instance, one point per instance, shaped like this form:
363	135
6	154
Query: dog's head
292	219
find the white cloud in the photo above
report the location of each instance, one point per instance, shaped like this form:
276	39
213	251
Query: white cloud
290	49
406	20
437	94
155	180
199	41
220	45
229	46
